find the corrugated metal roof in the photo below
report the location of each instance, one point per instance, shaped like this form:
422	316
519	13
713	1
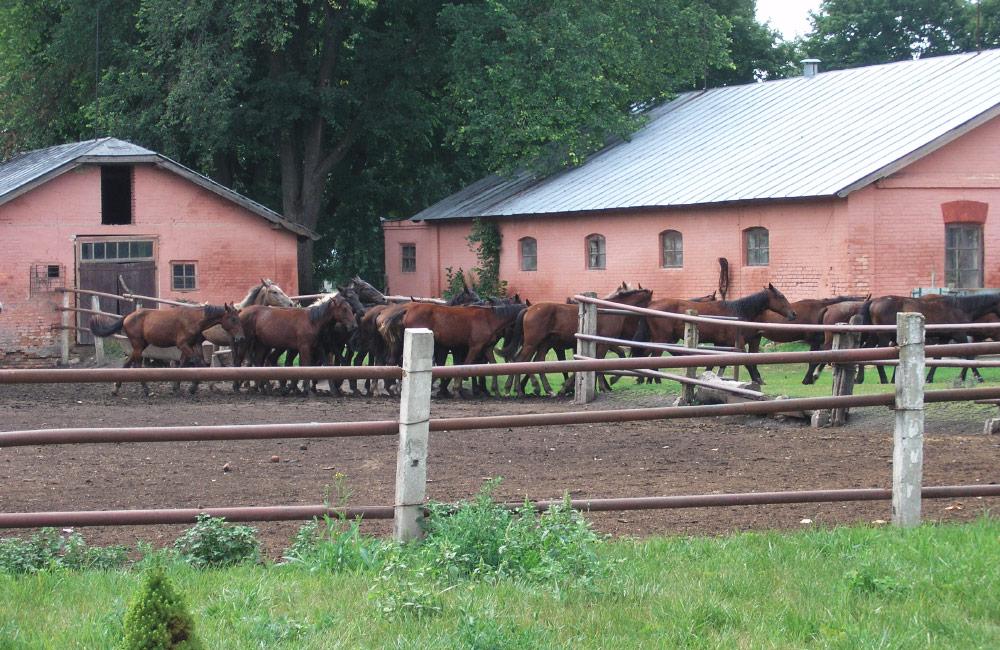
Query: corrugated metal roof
30	169
822	136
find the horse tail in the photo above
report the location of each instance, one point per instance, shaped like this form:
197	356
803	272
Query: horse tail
866	312
391	331
514	337
104	326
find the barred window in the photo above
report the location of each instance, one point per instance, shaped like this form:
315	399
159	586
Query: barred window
963	255
183	276
529	254
671	249
595	252
409	258
757	246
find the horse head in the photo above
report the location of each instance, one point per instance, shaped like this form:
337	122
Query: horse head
777	302
231	323
272	295
353	299
627	295
340	310
368	294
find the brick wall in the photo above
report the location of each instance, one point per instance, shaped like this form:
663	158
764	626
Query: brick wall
233	247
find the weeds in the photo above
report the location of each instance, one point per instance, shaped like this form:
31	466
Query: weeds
211	542
49	550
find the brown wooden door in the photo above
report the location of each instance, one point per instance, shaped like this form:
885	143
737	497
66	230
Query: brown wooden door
140	277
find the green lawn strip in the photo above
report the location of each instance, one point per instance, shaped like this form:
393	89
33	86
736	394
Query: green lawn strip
934	586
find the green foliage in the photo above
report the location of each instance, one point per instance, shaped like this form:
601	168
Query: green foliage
336	545
869	581
851	33
48	550
157	619
408	587
483	539
455	282
213	543
486	242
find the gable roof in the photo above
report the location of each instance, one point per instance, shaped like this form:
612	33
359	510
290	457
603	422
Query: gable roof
798	138
28	170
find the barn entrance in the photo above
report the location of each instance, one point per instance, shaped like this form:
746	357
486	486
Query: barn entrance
100	264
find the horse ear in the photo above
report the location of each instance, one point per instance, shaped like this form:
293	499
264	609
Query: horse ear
640	286
770	286
527	303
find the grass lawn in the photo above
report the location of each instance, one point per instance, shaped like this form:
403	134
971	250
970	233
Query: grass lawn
935	586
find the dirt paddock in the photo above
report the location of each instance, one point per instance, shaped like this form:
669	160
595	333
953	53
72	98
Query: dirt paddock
733	454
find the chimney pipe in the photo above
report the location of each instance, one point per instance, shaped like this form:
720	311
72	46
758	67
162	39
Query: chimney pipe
810	67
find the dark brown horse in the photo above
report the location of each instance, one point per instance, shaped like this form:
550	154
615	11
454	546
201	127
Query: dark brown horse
808	312
748	308
461	329
553	325
290	328
936	310
182	327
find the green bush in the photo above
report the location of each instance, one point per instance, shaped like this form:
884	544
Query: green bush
336	545
213	543
486	539
49	550
158	619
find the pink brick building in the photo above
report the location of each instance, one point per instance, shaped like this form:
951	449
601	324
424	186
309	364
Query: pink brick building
84	214
881	179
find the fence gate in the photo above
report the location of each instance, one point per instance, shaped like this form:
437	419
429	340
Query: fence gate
102	262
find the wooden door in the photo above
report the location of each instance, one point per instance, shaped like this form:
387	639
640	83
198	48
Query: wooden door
139	276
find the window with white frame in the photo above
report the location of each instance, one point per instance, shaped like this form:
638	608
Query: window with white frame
596	258
529	254
184	276
963	255
757	245
671	249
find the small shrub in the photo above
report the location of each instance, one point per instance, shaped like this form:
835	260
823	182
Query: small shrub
158	618
867	580
336	545
48	550
213	543
486	539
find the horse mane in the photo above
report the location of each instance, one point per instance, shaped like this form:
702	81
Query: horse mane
624	293
508	310
318	308
214	311
251	296
750	306
976	303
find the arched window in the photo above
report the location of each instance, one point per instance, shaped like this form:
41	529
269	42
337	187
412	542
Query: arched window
595	252
671	249
757	246
529	254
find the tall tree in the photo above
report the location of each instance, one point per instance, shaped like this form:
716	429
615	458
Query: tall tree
757	51
851	33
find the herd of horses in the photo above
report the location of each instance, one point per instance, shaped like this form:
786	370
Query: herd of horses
358	325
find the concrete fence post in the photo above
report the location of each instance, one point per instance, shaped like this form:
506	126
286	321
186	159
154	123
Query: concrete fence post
414	418
65	320
95	304
908	440
586	382
690	341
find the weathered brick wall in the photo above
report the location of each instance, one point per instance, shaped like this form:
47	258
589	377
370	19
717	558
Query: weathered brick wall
234	248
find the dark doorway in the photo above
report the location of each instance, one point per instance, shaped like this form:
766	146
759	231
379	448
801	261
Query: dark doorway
116	195
99	273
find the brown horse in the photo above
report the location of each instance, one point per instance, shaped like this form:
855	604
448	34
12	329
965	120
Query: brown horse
265	293
936	310
548	325
808	312
468	330
841	312
292	328
182	327
748	308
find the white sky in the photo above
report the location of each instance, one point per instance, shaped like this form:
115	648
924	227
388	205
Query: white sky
790	17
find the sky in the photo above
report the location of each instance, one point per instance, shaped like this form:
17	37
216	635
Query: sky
790	17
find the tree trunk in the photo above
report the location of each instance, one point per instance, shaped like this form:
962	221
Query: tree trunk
306	279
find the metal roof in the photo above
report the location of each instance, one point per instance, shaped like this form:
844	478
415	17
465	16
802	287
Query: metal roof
821	136
28	170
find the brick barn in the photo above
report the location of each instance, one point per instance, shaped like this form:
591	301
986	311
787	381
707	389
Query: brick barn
879	179
84	214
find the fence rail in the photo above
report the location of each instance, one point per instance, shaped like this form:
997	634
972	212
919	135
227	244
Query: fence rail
415	423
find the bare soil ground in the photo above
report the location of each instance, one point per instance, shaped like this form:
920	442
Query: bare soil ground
733	454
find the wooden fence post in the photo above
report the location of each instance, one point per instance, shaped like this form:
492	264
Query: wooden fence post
65	320
95	304
414	418
908	439
690	341
586	382
844	373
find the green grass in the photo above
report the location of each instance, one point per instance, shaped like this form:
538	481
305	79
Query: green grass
931	587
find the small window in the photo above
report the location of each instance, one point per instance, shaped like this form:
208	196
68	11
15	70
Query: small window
757	247
54	271
963	255
409	257
184	276
116	195
595	252
671	249
529	254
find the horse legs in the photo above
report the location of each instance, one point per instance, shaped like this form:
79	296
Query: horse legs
440	359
